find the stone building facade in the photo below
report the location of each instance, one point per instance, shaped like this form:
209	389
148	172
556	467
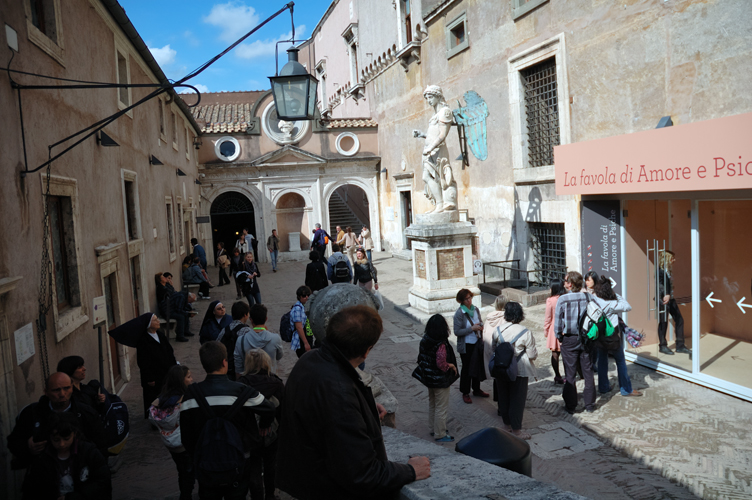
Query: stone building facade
117	214
550	73
258	173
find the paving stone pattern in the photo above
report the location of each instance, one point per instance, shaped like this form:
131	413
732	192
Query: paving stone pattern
678	441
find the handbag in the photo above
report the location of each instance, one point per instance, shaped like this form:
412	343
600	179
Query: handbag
477	370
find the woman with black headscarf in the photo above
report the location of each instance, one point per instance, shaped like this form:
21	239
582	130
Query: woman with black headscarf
154	356
215	320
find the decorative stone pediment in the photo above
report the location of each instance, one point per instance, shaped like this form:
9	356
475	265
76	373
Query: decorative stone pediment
288	155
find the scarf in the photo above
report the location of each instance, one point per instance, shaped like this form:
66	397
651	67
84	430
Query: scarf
470	312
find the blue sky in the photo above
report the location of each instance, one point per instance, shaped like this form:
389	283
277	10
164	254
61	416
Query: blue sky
183	35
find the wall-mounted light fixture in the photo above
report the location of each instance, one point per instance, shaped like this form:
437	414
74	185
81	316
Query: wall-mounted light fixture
383	170
180	173
105	140
198	182
197	142
153	160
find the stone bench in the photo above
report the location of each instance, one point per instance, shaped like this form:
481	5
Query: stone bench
455	476
167	325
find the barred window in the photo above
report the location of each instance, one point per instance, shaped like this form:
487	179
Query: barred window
542	112
549	251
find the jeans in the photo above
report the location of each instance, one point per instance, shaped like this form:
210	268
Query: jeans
186	478
368	254
223	277
673	309
625	384
182	325
253	298
274	256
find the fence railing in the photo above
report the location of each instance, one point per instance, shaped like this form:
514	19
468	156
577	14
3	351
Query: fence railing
542	277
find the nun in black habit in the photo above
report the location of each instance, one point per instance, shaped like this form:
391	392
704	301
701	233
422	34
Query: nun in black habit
154	353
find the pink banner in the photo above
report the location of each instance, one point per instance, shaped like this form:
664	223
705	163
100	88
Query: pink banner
702	156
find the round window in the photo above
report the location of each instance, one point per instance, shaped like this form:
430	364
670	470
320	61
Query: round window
347	144
227	149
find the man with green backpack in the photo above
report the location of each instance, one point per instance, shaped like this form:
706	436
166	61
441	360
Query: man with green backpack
569	309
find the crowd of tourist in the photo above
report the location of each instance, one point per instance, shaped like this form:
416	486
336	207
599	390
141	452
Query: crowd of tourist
229	432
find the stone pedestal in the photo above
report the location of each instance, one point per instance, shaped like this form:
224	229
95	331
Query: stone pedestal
442	262
294	241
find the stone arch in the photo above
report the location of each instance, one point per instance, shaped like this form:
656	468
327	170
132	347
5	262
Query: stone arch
252	221
369	189
292	221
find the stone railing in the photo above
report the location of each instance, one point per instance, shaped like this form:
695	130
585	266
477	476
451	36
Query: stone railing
455	476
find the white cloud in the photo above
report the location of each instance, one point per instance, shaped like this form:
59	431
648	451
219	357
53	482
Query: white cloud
233	18
265	48
164	56
201	88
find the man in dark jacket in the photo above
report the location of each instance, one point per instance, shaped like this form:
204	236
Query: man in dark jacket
330	442
220	394
28	437
199	252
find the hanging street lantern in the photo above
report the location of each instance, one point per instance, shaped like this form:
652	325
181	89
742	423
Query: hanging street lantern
294	90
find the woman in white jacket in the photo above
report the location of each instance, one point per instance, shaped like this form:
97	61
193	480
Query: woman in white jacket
513	394
612	305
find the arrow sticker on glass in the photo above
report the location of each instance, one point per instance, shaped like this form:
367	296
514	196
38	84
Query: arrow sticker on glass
710	300
742	305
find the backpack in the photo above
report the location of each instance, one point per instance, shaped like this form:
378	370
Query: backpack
596	329
285	326
340	270
504	362
228	338
116	425
219	457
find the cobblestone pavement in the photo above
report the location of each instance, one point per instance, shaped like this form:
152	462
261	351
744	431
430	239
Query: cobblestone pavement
678	441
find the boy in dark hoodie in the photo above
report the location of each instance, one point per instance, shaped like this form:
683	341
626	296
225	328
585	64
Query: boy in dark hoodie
69	467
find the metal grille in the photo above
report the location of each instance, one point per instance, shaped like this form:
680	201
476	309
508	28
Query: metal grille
231	202
542	110
549	251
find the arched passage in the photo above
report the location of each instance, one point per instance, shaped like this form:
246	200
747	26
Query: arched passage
230	213
291	219
348	206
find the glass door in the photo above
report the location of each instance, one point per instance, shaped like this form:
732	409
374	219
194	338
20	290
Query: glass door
659	279
725	243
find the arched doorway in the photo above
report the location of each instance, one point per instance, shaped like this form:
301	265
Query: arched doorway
348	206
292	219
230	213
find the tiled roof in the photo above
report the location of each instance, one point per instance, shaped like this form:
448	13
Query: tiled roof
351	123
236	117
223	118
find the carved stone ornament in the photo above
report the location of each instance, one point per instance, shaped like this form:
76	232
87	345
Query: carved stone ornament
280	131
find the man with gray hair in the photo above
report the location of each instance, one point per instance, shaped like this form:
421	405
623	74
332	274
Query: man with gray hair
320	240
439	184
